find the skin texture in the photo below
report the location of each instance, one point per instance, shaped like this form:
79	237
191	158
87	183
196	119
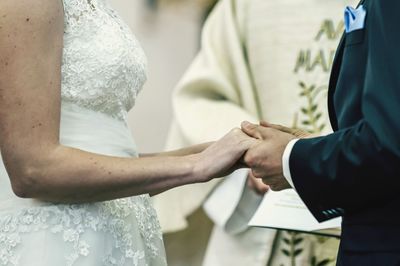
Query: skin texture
38	165
265	157
261	132
298	133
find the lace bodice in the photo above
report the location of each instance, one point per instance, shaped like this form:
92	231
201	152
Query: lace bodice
104	66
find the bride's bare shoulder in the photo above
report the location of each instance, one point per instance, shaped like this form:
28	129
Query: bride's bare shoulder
35	13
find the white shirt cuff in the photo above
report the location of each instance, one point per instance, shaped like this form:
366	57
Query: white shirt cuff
285	162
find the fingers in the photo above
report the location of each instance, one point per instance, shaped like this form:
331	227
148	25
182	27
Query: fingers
278	127
276	183
265	124
234	145
242	140
295	132
257	185
251	129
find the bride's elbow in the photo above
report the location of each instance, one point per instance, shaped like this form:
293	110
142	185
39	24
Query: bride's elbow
20	190
26	182
29	172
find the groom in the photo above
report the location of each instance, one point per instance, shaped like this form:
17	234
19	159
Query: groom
354	172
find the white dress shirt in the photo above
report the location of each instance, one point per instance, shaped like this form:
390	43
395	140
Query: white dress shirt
285	162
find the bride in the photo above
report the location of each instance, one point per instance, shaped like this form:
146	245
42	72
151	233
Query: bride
73	190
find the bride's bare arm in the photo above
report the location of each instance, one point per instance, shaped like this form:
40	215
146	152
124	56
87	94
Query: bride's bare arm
181	152
31	34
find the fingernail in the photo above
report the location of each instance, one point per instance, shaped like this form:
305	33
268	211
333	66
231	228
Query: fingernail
245	123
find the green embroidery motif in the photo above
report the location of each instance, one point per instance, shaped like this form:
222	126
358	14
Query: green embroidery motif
312	121
292	247
324	262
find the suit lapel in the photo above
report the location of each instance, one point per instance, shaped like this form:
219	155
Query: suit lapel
337	63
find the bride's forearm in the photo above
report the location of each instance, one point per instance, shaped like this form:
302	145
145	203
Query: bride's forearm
181	152
74	176
52	172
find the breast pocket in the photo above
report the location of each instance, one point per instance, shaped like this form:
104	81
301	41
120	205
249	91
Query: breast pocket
355	37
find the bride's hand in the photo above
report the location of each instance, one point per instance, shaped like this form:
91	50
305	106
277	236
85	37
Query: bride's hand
224	156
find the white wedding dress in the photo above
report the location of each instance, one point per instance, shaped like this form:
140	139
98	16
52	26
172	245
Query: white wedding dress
103	69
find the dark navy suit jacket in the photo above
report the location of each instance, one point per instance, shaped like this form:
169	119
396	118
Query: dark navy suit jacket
355	172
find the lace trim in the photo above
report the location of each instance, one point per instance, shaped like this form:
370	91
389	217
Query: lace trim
71	222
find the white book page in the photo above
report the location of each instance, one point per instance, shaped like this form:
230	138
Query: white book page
286	210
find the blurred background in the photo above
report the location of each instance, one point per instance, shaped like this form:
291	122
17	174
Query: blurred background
169	31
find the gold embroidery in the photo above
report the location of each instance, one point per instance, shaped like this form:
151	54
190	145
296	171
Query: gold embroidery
309	62
328	28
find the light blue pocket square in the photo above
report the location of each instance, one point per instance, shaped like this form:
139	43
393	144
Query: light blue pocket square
354	19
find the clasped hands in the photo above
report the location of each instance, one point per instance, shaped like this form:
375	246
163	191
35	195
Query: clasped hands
264	157
258	147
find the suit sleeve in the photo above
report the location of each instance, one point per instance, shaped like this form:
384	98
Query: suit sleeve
216	93
359	166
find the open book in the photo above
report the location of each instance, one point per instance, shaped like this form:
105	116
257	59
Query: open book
286	210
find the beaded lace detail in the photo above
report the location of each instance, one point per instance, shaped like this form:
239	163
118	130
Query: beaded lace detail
104	66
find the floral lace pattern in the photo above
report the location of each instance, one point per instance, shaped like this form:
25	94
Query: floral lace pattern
103	70
104	66
72	222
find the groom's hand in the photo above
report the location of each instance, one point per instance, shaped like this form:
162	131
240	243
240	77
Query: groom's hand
265	157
